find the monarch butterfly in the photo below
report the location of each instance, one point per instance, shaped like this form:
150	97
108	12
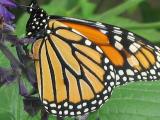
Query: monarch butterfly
79	62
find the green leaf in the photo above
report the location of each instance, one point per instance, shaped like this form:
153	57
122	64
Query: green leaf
56	7
6	116
21	25
150	34
10	100
137	101
87	8
4	62
119	9
120	21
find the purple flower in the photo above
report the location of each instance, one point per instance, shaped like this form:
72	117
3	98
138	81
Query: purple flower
20	65
6	76
4	13
8	3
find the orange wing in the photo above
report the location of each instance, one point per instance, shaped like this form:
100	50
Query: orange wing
97	37
71	72
79	65
78	62
133	57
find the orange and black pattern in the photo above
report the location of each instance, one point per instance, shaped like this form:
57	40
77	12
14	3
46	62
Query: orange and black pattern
132	56
79	62
70	72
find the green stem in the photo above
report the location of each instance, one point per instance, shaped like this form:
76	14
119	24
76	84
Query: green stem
155	25
18	105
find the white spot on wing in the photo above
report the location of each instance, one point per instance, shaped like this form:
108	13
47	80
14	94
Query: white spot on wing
100	24
130	72
137	45
44	20
70	107
53	105
120	72
106	60
65	104
105	67
153	71
79	106
48	31
71	113
54	111
103	31
116	28
131	34
117	32
94	102
131	38
78	113
86	110
41	15
99	49
30	33
87	42
119	46
45	102
66	112
118	38
132	48
34	19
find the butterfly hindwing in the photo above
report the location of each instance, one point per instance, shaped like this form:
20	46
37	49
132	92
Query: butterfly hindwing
71	72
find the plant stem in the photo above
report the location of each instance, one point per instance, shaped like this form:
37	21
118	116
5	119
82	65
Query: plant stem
155	25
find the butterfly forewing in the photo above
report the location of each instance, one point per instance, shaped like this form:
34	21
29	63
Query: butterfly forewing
132	56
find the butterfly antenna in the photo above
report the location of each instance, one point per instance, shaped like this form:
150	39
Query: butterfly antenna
24	6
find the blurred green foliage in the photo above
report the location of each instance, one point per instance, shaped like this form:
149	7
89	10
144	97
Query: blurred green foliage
137	101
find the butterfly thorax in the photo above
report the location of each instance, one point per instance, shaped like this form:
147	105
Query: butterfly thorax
37	23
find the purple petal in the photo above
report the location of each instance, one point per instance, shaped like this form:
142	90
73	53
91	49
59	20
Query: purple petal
1	35
8	28
6	76
8	3
6	14
23	90
28	63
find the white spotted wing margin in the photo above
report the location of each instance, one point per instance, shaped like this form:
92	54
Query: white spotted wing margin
140	53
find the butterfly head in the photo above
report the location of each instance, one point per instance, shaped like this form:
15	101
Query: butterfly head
38	19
